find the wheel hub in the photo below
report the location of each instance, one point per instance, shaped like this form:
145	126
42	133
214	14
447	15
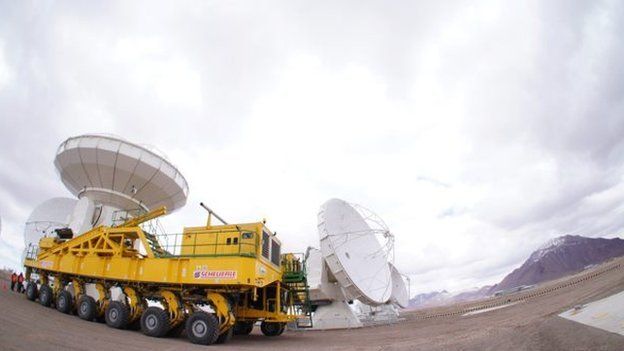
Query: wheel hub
151	322
112	314
200	328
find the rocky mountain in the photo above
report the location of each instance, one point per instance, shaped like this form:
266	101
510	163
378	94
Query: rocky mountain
431	299
557	258
440	298
474	294
560	257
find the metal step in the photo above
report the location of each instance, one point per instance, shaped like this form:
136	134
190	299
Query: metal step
152	240
304	323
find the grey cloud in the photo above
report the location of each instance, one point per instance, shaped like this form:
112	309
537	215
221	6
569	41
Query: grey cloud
536	84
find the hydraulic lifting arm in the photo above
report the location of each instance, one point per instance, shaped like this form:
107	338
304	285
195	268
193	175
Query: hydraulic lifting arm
133	222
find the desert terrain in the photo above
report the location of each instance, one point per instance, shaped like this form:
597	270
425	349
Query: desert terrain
523	321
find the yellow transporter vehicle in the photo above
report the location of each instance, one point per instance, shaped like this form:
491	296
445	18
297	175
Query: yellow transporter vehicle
214	281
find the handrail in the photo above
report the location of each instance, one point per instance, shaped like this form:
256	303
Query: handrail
175	246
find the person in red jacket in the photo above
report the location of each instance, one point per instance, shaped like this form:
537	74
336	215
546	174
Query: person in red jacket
20	283
13	281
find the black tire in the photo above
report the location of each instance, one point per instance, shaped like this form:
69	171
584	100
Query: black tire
272	329
202	328
225	336
45	295
116	315
87	308
243	328
64	302
31	291
155	322
176	331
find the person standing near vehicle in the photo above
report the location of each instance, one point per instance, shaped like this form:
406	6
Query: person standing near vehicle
13	281
20	283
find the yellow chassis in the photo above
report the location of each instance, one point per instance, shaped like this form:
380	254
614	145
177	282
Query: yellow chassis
245	288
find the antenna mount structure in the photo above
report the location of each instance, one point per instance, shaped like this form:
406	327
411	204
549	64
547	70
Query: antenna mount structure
353	263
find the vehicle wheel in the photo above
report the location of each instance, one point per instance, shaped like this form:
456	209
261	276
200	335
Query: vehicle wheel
225	336
272	329
176	331
243	328
87	308
116	315
45	295
202	328
64	302
32	291
155	322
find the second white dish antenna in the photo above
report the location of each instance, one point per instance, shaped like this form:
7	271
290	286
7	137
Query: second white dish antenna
52	214
350	243
400	294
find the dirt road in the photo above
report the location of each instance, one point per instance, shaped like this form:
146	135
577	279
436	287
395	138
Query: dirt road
531	323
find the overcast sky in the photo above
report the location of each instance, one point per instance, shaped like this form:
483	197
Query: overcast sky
477	130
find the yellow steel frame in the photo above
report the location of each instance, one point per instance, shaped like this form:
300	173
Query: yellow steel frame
103	298
134	302
245	311
78	290
174	306
222	308
107	255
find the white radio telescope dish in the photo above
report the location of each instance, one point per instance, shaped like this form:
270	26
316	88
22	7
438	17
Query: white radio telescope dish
400	295
51	214
109	174
350	245
118	173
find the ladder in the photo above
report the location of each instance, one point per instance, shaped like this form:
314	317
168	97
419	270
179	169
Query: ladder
134	218
295	280
157	249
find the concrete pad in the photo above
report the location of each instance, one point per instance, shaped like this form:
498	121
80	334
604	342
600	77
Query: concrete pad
488	309
606	314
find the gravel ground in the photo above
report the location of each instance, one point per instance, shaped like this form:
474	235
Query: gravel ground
531	323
